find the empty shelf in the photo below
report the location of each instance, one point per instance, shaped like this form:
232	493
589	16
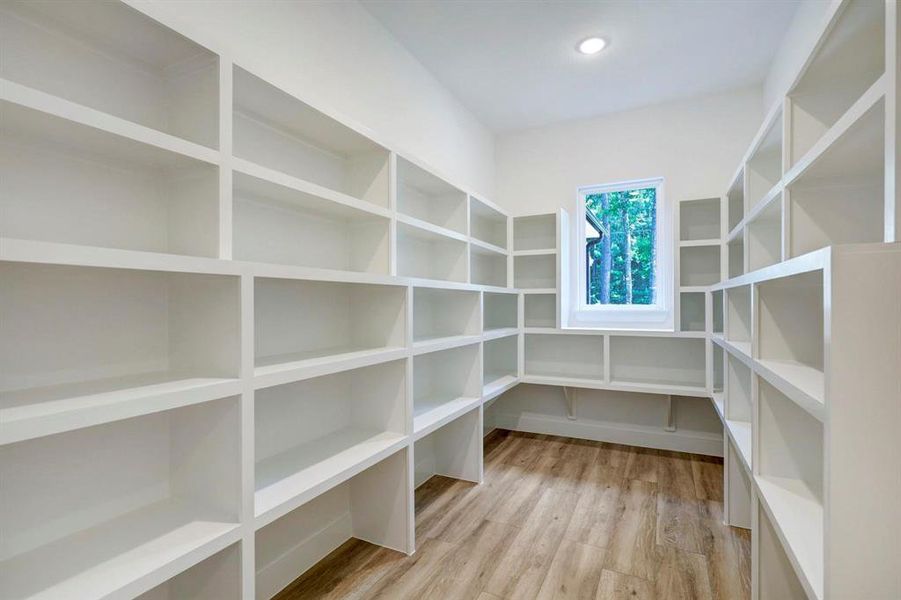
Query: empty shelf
741	435
146	547
289	479
282	368
48	410
431	413
798	516
807	382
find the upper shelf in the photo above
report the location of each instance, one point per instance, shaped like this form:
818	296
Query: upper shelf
276	130
426	197
110	57
487	224
852	53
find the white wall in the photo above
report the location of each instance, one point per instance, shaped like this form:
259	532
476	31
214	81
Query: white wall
695	144
337	57
794	49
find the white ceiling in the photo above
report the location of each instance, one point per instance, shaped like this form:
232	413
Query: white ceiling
513	62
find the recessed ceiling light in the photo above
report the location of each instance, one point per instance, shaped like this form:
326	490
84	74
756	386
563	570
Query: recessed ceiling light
591	45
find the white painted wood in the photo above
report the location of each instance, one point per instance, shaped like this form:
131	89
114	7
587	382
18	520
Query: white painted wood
699	265
217	577
426	197
500	311
487	223
439	313
423	253
445	384
535	271
564	356
535	232
659	361
540	310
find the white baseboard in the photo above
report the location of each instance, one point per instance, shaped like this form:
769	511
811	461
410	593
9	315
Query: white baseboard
695	442
273	578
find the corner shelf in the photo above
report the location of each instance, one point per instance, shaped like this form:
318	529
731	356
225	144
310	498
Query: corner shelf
500	311
540	310
669	362
487	266
535	271
500	358
535	232
699	265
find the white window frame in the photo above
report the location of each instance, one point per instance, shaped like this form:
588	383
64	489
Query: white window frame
659	316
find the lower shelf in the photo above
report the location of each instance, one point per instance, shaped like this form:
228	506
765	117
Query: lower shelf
431	413
497	381
48	410
286	480
124	556
797	516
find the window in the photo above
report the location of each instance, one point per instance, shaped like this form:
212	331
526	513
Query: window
623	260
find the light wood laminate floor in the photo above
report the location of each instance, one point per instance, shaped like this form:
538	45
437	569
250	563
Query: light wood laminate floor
556	518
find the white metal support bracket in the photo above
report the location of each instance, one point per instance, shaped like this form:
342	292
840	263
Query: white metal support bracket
670	414
570	396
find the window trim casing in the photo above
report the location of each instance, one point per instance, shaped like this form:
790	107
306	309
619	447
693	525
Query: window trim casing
659	316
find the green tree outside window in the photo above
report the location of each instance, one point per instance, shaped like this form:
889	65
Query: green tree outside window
621	265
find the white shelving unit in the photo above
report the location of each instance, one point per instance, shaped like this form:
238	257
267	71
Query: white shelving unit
227	315
220	365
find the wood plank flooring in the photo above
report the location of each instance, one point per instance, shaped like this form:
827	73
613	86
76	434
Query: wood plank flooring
556	519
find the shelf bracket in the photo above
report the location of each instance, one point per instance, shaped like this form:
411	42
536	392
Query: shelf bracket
670	414
570	396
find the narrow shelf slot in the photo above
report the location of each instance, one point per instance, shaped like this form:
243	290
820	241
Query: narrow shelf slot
297	323
790	331
453	451
853	53
765	237
112	58
775	571
738	395
718	374
84	345
564	356
441	313
426	197
699	265
736	251
540	310
216	578
738	488
277	224
444	383
500	311
764	167
840	198
428	255
169	491
312	433
735	201
738	318
276	130
371	506
487	267
536	232
532	272
692	314
499	360
790	477
69	183
717	301
487	224
665	361
699	219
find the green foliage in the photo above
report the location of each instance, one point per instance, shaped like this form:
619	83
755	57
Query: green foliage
630	217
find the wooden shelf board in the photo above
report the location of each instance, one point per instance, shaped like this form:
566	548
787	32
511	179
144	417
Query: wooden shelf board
291	478
797	516
37	412
431	413
121	557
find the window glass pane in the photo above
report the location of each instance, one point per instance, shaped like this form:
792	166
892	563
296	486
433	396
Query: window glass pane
620	247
